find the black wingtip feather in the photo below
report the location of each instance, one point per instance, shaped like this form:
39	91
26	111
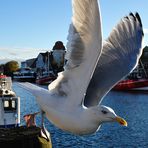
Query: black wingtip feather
126	17
139	19
131	14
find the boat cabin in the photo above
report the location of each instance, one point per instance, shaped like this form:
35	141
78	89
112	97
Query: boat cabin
9	104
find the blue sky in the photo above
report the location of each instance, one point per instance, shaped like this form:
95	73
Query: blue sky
28	27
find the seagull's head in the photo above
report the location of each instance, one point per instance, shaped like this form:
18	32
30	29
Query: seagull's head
107	114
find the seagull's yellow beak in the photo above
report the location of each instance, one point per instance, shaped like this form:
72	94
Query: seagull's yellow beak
121	121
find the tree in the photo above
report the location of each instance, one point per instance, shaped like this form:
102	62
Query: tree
2	68
11	67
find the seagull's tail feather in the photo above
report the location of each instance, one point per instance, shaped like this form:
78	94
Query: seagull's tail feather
43	96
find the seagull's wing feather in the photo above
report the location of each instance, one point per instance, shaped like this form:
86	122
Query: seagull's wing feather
85	35
83	51
120	55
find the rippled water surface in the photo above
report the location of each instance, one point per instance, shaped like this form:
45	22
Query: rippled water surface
132	106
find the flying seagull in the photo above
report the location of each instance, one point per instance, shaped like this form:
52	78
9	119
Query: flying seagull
72	101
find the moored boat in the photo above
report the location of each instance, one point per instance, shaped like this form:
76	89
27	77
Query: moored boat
9	104
24	75
45	78
137	84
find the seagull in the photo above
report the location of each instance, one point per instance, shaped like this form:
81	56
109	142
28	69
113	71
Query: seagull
72	102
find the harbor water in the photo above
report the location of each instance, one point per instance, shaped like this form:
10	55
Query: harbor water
133	106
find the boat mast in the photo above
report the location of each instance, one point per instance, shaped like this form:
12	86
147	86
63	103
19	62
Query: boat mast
47	62
143	68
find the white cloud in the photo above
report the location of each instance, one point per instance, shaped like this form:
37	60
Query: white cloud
16	52
5	60
145	30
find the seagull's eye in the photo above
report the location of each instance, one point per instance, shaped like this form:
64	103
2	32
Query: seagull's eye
104	112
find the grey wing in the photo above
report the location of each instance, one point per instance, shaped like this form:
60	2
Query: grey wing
85	36
119	57
83	51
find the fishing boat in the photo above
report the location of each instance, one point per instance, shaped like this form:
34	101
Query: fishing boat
12	134
137	84
137	80
45	78
24	75
9	104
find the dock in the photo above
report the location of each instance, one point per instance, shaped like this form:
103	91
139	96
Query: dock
23	137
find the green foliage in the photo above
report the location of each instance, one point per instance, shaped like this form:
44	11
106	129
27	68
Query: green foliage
144	57
11	67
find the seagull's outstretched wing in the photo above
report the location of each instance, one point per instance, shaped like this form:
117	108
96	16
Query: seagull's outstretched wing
120	55
85	35
83	51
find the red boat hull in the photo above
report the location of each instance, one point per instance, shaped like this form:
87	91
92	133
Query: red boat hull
45	80
2	76
131	84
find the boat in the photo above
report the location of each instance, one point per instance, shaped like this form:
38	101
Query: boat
12	134
132	84
137	80
45	78
24	75
9	104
